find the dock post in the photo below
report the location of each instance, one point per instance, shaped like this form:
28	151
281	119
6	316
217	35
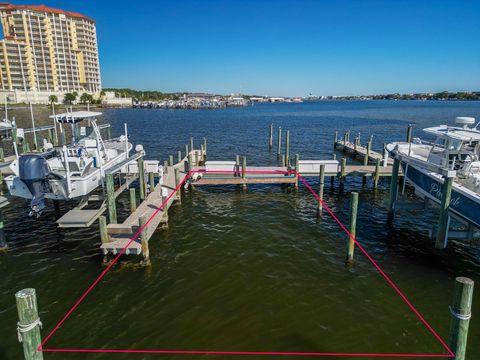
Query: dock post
377	173
345	140
461	311
244	167
367	153
343	172
197	160
109	132
355	144
151	181
270	139
133	200
297	169
283	161
186	150
321	184
3	239
393	186
144	239
165	166
352	226
29	324
104	238
190	162
170	160
332	178
112	207
287	147
201	153
279	142
177	182
244	171
141	177
348	136
409	133
204	149
335	140
179	156
444	219
237	166
191	144
2	154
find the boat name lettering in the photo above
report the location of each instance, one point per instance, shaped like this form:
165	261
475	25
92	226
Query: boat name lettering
436	190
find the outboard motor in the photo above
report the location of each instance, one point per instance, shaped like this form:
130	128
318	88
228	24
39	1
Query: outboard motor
33	171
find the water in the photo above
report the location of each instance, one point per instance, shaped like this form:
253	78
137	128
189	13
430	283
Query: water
250	271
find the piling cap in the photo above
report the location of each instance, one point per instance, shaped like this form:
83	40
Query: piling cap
465	280
25	293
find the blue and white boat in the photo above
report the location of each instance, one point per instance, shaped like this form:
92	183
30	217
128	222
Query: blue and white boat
454	153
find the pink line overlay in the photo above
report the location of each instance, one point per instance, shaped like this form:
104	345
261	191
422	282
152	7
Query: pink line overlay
277	353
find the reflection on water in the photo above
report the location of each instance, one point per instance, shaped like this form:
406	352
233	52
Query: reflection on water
252	270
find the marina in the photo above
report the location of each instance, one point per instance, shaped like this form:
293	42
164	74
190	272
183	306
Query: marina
118	219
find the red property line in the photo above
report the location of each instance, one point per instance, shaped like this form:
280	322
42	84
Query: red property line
207	352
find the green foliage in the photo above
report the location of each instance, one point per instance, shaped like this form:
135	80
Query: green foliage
86	98
52	99
144	95
69	98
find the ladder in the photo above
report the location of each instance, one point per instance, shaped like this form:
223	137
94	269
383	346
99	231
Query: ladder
101	145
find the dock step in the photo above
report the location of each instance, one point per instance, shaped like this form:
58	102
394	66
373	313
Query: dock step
117	244
79	218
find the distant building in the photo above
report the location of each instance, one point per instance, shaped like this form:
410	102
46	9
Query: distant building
110	100
47	51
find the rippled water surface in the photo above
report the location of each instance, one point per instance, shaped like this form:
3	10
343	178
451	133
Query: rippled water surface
254	270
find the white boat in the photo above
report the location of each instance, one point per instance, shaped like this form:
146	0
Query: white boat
454	153
71	171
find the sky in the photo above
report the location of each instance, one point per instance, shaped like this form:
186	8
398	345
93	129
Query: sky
286	48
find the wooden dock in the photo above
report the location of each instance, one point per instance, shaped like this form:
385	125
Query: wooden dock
119	235
357	150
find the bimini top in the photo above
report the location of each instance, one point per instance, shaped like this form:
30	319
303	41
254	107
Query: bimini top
75	116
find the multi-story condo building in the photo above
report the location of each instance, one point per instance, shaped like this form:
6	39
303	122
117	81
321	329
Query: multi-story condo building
47	50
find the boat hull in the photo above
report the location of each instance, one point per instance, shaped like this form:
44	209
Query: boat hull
465	204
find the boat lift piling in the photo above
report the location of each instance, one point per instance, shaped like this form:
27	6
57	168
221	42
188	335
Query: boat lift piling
321	185
352	228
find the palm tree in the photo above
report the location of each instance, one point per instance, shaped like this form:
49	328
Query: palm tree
52	99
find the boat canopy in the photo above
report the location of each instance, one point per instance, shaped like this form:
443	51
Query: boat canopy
455	133
75	116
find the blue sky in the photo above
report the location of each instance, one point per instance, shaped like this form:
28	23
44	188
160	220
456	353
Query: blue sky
295	47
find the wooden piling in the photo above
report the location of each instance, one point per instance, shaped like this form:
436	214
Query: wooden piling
141	177
170	160
287	147
191	144
3	238
179	156
151	181
144	240
460	311
28	326
297	169
321	185
186	150
343	173
332	178
197	160
165	166
409	133
393	186
201	153
444	219
283	161
237	165
112	207
133	200
2	154
109	132
244	167
270	139
205	149
279	142
335	140
352	226
177	182
376	176
102	223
